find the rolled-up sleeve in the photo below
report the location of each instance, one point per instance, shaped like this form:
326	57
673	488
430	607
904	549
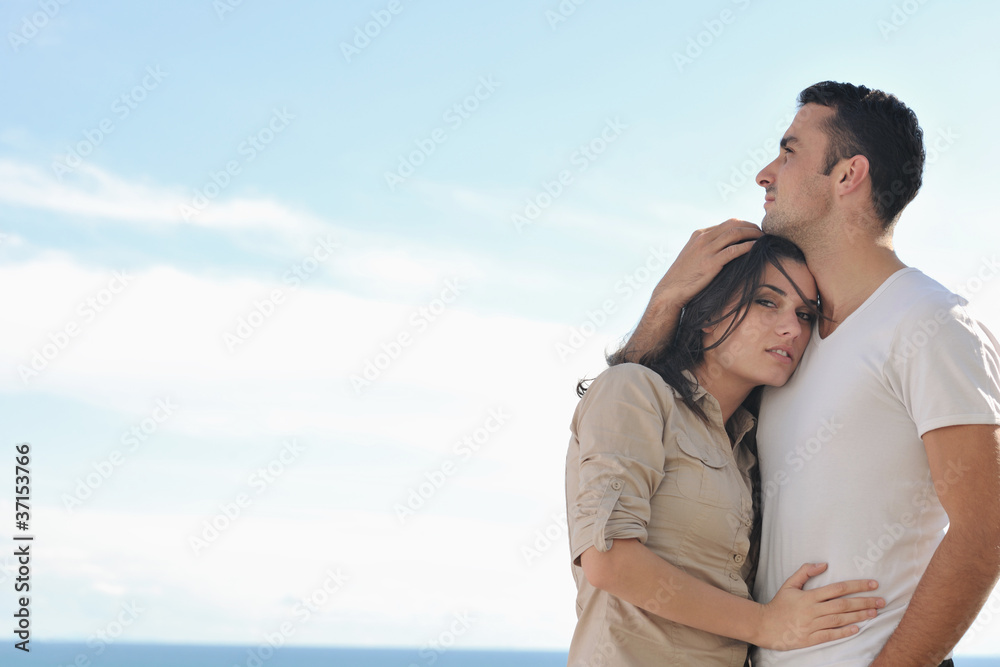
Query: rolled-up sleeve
619	427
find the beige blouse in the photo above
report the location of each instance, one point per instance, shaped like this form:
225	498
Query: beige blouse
642	465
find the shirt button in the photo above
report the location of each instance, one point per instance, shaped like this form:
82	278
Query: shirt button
616	485
738	558
733	576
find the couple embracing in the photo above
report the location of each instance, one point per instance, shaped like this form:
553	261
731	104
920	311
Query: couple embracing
795	458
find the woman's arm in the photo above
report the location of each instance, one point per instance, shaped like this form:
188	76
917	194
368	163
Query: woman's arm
793	619
701	259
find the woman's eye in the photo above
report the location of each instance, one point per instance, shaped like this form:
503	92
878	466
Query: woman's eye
807	316
767	303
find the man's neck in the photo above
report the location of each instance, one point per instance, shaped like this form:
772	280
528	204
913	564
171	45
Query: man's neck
847	275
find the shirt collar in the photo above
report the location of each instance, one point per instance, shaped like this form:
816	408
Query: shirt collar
738	425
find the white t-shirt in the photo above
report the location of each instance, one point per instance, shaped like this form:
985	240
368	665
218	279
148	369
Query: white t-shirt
844	472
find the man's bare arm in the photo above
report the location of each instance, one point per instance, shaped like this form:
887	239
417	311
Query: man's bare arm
701	259
965	467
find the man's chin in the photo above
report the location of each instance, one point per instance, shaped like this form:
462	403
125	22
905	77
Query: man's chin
772	224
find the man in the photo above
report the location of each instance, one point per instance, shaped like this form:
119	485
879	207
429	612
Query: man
887	433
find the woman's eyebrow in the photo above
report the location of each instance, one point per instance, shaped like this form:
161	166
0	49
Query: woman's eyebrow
782	293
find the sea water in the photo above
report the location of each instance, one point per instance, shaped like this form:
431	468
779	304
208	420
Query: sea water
59	654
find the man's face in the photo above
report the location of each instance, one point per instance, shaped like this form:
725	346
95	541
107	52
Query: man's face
796	193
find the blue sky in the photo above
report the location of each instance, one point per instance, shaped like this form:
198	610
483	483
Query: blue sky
201	241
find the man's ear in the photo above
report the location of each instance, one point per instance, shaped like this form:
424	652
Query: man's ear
851	174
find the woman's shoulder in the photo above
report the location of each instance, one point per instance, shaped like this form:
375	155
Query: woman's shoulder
626	371
632	379
628	392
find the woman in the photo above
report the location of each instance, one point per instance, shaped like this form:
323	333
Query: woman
659	488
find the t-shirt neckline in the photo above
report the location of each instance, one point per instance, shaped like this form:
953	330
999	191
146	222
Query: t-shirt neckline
819	340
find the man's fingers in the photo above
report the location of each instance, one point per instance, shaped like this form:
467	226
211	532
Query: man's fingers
721	239
723	243
733	251
730	231
744	232
703	257
738	234
735	222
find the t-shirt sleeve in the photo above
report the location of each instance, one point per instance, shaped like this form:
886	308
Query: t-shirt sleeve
944	366
619	425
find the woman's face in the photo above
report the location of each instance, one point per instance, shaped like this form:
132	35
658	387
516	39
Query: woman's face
768	344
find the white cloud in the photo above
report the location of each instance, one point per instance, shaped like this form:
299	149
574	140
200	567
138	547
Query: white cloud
93	192
163	335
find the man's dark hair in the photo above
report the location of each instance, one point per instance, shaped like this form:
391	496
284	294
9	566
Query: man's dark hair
738	281
881	128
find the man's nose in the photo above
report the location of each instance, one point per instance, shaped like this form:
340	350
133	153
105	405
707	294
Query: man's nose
765	176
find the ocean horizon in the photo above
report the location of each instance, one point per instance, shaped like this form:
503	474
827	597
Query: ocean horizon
76	654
